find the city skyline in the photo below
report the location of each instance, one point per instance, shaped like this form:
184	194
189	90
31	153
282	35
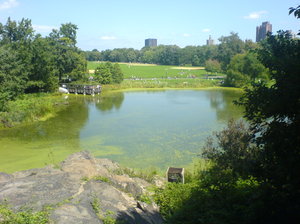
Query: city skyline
126	24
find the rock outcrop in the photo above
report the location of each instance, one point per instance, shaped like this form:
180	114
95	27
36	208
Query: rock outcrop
83	190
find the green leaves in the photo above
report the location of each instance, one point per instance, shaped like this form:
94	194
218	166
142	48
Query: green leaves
30	63
108	73
245	68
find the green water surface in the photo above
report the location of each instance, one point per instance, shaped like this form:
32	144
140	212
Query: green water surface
137	129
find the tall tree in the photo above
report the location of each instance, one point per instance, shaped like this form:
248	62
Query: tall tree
245	68
117	74
274	112
68	32
42	74
16	32
229	46
13	76
69	60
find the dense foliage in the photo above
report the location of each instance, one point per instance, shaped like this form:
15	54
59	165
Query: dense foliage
108	73
31	63
274	113
255	173
244	69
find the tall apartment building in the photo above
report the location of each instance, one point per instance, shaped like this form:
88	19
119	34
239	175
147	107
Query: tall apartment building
261	31
151	43
209	41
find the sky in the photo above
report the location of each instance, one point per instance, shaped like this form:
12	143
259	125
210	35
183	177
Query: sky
109	24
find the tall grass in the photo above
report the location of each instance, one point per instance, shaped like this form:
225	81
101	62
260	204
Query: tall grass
31	107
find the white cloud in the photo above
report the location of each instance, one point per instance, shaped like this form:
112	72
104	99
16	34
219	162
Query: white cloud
186	35
43	28
8	4
108	38
206	30
255	15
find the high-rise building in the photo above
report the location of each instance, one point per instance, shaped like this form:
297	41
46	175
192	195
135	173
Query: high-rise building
263	30
291	33
209	41
151	42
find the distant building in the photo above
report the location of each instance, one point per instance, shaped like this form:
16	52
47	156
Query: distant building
292	34
210	41
263	30
151	43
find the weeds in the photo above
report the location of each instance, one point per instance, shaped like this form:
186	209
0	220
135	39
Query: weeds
7	216
106	217
29	108
148	175
97	178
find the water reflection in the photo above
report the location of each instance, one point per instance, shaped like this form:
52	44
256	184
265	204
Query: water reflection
110	101
222	101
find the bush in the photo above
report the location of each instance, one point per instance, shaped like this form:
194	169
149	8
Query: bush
30	107
108	73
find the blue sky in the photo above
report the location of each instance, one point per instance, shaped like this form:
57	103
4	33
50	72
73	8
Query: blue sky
108	24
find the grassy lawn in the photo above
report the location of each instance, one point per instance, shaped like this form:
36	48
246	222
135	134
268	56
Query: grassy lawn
163	83
155	71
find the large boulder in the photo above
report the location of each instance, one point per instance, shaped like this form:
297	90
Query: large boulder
84	190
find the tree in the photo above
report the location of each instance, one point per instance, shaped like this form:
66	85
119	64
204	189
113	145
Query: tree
243	69
274	113
296	12
93	55
195	61
68	33
69	60
18	33
167	55
108	73
229	46
13	76
212	66
42	73
103	74
117	74
233	148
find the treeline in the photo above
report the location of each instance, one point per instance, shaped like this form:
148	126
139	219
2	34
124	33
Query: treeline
232	56
30	63
253	171
174	55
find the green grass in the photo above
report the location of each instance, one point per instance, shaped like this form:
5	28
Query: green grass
31	107
8	216
164	83
155	71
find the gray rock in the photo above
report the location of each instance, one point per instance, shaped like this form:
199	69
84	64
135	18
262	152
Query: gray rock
75	200
4	177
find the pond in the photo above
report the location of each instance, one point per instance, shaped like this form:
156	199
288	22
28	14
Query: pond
138	129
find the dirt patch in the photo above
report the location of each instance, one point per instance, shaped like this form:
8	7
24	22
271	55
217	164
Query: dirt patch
188	68
138	64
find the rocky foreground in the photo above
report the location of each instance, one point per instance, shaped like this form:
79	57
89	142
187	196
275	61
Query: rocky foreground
83	190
